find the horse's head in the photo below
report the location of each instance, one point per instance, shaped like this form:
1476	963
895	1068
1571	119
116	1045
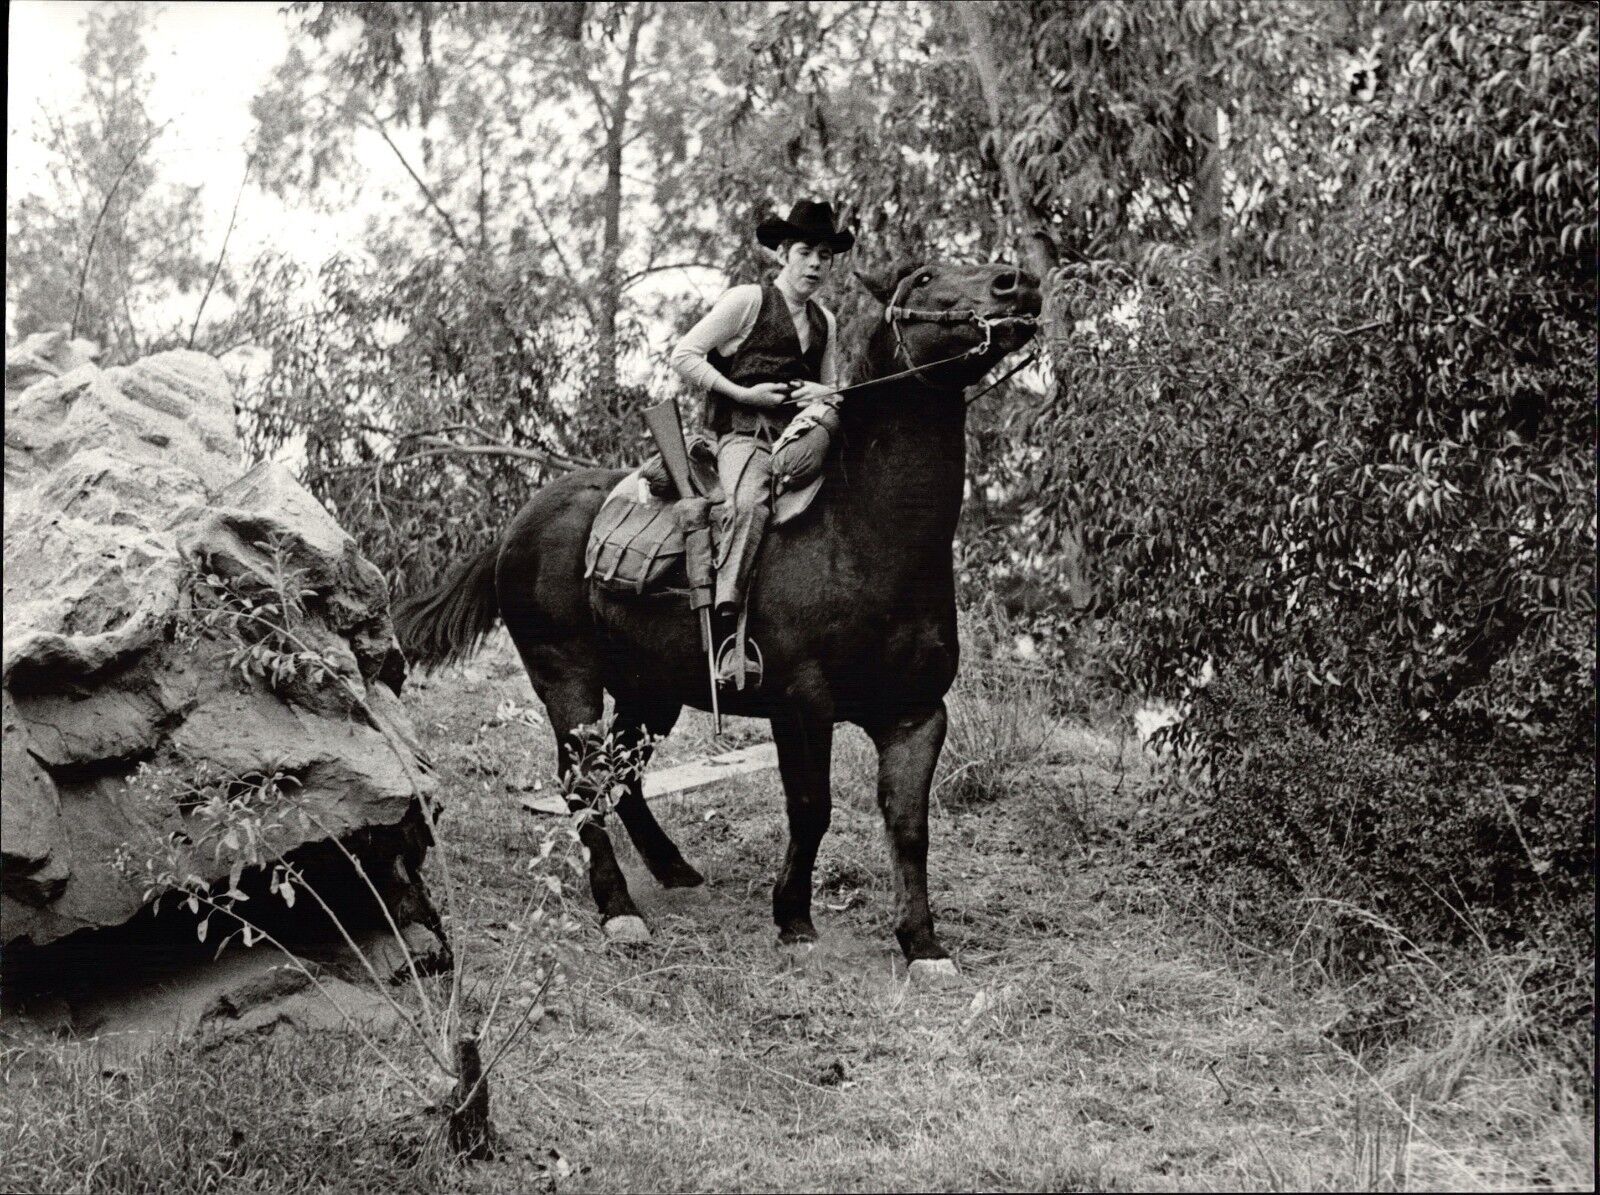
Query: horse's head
958	320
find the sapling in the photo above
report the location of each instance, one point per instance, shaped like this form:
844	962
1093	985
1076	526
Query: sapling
243	820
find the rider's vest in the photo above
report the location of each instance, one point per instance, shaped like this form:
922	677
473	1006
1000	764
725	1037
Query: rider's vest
770	353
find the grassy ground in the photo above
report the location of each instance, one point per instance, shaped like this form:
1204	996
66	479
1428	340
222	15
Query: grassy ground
1101	1035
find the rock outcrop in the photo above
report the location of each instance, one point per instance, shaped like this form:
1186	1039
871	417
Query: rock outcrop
122	487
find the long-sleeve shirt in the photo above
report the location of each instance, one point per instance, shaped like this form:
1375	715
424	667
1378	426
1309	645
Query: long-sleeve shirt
725	327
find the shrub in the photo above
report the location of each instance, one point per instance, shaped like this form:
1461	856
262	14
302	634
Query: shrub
1365	469
1001	710
1411	841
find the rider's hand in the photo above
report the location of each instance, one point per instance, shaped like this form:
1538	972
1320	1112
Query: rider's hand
764	394
809	392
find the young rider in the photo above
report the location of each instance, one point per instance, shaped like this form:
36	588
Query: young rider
760	354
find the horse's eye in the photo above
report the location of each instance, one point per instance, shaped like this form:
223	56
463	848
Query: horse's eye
924	280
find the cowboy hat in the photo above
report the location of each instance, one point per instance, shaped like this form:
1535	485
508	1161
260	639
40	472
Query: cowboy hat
809	222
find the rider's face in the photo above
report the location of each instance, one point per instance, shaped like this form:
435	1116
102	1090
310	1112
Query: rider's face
805	267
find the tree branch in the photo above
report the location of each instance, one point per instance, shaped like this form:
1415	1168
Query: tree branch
427	193
94	232
677	265
436	443
439	447
217	269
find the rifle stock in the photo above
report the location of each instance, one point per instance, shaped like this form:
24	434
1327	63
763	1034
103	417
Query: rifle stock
666	428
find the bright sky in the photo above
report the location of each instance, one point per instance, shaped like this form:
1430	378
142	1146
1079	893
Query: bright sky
208	61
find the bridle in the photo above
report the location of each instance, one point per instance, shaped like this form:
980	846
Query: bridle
896	315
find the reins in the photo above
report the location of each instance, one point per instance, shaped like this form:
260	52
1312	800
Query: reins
1005	377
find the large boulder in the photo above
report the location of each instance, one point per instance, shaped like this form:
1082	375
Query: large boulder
122	487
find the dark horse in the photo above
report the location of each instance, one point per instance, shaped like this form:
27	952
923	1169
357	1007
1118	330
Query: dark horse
853	605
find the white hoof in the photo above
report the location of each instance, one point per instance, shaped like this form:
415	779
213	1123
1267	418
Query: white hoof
933	972
627	930
796	954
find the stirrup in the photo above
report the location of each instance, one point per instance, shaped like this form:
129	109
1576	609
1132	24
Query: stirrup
737	659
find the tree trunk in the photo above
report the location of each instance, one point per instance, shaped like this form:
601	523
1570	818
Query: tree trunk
470	1130
1038	250
611	235
1205	121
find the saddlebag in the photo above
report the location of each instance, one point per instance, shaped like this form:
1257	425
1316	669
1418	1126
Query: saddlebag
637	543
634	546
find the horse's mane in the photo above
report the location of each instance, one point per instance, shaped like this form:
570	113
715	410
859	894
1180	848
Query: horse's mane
855	329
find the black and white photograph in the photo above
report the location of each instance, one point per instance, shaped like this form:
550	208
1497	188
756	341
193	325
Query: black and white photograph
799	595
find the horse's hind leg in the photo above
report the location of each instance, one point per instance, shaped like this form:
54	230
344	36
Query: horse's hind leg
659	852
574	699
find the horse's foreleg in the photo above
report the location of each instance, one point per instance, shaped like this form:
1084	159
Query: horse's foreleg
908	750
659	852
805	749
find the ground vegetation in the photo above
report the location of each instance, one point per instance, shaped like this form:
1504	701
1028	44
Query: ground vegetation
1306	454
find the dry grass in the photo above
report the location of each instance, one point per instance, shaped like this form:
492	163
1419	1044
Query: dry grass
285	1113
1101	1037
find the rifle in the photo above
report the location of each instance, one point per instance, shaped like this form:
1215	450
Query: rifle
691	511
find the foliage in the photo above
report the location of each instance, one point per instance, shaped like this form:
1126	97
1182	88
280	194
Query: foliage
1368	477
105	247
1121	146
1413	842
1354	471
412	388
602	762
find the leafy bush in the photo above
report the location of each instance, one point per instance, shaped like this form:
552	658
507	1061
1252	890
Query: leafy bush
1411	842
1364	471
1354	471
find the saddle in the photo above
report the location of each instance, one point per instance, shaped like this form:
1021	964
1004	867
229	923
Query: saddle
646	540
637	542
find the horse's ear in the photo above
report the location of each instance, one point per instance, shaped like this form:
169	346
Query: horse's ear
881	283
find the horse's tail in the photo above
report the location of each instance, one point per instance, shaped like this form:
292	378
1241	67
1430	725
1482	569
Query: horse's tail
450	621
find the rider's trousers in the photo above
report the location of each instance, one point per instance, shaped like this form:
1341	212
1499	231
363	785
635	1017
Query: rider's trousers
744	465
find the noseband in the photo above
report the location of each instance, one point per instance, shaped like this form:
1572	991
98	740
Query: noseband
896	316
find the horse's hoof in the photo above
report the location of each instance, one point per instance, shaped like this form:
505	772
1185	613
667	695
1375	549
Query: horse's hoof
627	931
681	875
800	934
933	972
